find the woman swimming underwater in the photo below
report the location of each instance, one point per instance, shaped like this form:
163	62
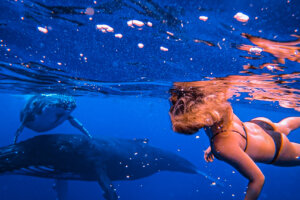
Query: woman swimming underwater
238	143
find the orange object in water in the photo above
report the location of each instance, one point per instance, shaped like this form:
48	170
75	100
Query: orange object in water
281	50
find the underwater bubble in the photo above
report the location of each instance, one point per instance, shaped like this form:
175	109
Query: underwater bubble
256	50
43	29
203	18
140	45
170	33
135	22
104	28
118	35
241	17
164	48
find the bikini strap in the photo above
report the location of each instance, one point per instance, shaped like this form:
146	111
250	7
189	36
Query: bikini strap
244	136
217	133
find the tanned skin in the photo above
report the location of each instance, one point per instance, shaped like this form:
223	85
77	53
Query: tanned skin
229	147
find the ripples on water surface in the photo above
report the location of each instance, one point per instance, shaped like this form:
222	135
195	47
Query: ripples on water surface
142	47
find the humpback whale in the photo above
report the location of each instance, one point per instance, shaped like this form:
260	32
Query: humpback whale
44	112
76	157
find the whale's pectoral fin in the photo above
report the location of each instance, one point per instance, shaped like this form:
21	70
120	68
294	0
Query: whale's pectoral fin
107	186
61	189
18	132
79	125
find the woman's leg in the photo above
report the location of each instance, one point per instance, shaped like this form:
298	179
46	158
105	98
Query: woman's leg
288	124
289	155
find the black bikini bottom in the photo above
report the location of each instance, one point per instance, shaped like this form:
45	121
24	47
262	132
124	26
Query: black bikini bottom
275	135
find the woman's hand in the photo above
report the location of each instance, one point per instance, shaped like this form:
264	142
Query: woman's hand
208	155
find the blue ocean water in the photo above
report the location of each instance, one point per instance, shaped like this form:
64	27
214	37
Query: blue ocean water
122	90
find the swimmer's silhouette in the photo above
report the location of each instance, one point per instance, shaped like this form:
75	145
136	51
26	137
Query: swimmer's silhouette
238	143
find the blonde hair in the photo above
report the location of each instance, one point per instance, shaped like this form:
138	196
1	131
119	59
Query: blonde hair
196	107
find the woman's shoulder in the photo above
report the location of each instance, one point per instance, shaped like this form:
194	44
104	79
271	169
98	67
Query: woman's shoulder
225	149
225	143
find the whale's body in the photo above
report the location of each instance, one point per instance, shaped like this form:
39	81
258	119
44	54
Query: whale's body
76	157
44	112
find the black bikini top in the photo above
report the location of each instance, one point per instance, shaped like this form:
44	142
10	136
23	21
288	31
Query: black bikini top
244	136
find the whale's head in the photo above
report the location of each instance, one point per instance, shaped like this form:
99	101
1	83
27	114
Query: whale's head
45	102
63	102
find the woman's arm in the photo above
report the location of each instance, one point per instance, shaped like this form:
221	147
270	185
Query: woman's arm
237	158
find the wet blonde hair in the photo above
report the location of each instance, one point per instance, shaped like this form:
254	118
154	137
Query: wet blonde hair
195	107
